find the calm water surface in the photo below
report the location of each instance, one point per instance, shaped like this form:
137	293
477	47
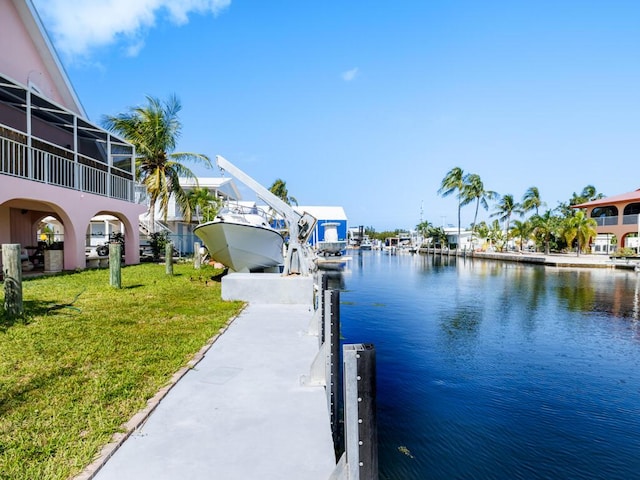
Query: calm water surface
490	370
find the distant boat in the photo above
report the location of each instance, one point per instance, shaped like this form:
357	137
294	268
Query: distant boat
366	244
331	245
241	239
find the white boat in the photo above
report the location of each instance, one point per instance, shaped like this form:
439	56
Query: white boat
331	245
241	239
366	244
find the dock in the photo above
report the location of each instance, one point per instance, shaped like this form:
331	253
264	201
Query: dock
243	411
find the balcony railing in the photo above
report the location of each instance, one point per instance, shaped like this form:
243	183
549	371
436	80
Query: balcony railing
630	219
86	175
606	221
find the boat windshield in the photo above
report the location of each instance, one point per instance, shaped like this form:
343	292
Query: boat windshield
236	209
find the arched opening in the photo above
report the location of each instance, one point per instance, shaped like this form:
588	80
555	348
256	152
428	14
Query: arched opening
106	227
607	215
631	214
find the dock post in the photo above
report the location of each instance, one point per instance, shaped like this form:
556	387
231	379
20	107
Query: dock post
168	258
196	256
12	273
324	285
332	298
115	264
361	432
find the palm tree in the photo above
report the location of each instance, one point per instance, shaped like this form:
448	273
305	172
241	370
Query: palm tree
582	229
481	230
496	235
451	183
588	194
544	227
203	201
423	229
522	230
504	209
154	130
279	189
473	190
531	200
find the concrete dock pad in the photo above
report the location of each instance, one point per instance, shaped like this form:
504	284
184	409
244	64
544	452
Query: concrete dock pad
241	413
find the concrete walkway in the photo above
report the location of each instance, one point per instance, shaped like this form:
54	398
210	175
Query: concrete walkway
241	413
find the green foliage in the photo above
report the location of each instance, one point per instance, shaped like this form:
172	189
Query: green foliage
154	129
279	189
625	252
158	241
89	357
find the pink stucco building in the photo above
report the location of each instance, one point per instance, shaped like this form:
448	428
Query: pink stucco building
53	161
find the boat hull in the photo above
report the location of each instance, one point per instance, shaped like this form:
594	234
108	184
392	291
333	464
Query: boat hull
241	247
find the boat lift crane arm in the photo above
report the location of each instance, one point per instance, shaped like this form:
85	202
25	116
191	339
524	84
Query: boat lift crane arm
298	257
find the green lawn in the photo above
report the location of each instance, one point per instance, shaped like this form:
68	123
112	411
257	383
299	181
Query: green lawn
88	356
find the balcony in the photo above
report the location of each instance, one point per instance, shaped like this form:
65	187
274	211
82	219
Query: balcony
606	221
43	142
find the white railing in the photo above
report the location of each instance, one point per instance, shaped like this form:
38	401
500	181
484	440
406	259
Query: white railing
45	167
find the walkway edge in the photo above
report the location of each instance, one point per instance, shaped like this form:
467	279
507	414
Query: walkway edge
141	417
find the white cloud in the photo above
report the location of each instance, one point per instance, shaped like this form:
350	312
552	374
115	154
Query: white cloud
350	75
79	27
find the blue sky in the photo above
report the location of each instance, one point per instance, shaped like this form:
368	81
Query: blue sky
368	104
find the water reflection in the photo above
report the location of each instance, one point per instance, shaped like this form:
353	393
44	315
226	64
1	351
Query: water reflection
495	370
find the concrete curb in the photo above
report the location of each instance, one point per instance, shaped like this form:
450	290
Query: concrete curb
141	417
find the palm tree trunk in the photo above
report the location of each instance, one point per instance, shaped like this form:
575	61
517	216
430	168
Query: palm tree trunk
458	239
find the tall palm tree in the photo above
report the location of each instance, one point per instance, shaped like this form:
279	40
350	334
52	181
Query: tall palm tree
506	207
154	130
588	194
453	182
473	190
531	200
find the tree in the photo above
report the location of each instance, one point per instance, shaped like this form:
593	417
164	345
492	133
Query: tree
588	194
581	228
522	230
545	227
423	229
481	230
531	200
154	130
453	182
473	190
279	189
504	209
203	203
495	235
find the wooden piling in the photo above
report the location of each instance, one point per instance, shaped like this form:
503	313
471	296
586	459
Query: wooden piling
12	273
168	258
115	267
196	256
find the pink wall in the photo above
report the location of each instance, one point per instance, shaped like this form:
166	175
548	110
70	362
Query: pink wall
21	61
75	209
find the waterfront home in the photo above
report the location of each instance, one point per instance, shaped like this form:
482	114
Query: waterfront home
618	219
54	162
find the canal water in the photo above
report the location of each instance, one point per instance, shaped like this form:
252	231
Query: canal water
492	370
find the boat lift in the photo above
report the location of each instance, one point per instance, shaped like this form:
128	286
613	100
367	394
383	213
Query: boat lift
298	257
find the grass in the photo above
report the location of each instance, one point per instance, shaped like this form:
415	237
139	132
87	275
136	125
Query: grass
87	356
